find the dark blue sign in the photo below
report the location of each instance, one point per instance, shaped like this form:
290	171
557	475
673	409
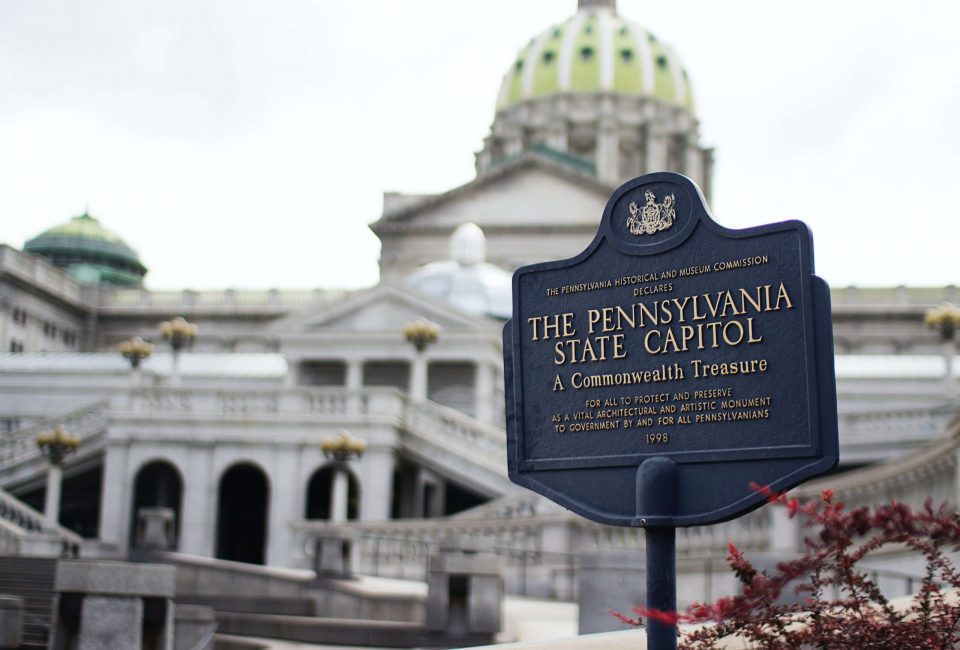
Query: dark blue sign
672	347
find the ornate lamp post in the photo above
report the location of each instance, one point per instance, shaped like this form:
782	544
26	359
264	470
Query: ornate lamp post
180	334
945	319
341	449
135	350
55	445
421	333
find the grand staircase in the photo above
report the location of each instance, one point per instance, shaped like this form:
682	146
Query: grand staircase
23	532
20	459
31	579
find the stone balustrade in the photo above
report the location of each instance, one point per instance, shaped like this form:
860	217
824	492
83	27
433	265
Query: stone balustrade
38	272
446	427
868	436
20	446
145	300
433	423
922	297
291	402
20	524
929	472
538	552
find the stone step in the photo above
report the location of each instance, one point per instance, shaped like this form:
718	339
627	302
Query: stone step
338	631
278	605
31	579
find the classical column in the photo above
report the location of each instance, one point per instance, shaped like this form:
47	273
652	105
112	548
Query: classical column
51	505
484	391
198	516
284	490
114	508
354	379
339	495
418	377
608	150
376	493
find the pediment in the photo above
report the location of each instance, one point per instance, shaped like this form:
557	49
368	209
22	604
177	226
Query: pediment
384	308
531	193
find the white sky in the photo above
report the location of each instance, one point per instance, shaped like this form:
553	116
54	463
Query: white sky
247	143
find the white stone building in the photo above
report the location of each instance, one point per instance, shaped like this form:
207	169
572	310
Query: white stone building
228	437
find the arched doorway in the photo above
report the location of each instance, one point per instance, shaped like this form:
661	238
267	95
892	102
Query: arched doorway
157	485
320	493
242	501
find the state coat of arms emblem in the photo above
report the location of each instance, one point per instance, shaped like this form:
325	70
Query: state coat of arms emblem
652	217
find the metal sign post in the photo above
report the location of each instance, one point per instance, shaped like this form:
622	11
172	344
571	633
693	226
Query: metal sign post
653	377
657	477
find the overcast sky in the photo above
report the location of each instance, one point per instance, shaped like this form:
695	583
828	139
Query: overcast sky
247	143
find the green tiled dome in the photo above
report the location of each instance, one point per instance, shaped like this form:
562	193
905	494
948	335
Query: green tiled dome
90	252
596	51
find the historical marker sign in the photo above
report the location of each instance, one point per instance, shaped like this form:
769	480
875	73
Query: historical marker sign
670	338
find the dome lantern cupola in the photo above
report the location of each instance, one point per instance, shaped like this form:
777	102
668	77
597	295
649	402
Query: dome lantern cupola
89	252
603	93
586	4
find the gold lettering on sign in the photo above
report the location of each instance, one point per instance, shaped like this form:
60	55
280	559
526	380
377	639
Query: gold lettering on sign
704	321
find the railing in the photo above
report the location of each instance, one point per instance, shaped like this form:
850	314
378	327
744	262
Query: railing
10	536
446	427
537	553
219	299
928	472
39	272
401	549
869	432
302	402
908	296
18	520
21	445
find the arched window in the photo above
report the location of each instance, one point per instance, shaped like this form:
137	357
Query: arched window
157	485
243	496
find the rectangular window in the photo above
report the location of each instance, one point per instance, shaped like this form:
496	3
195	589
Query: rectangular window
323	373
387	373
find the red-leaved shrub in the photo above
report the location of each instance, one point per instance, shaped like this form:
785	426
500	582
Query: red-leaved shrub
841	606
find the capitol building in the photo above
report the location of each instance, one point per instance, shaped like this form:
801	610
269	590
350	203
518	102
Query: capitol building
288	418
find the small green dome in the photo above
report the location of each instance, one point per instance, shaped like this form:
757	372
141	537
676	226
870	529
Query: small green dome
596	51
90	252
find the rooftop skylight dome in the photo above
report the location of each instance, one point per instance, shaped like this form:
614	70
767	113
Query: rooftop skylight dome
467	280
